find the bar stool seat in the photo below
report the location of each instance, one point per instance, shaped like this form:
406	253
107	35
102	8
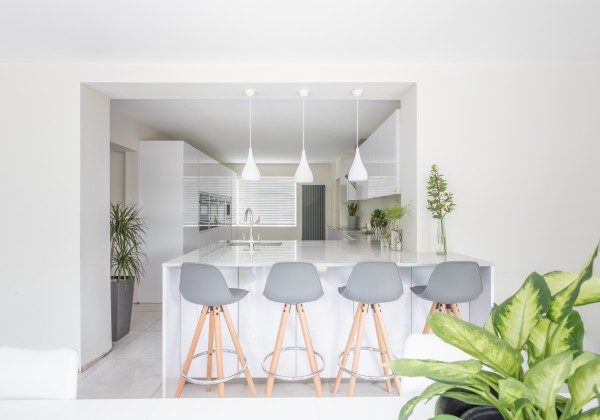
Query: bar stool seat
293	283
370	283
450	283
204	284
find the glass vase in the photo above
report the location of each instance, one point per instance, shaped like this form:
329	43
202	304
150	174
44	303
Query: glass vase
441	238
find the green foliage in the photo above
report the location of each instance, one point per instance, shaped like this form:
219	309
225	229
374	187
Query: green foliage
539	320
441	202
395	211
127	231
352	207
378	219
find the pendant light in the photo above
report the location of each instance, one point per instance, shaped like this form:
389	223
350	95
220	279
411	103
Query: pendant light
250	171
358	172
303	173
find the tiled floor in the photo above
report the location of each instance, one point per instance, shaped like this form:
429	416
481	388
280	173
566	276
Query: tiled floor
133	370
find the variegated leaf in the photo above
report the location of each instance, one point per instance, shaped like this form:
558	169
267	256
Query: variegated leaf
582	384
431	391
450	372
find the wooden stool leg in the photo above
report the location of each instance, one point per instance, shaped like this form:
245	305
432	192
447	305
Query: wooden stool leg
277	350
434	307
338	379
388	347
217	313
211	348
455	310
357	346
309	348
382	351
188	360
238	349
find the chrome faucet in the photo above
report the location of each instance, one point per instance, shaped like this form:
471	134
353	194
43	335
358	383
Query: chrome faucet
249	210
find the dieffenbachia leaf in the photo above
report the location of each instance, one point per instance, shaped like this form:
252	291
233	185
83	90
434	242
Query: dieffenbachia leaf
593	414
449	372
431	391
515	317
511	390
582	359
538	339
477	342
588	293
469	398
545	380
566	335
563	301
582	383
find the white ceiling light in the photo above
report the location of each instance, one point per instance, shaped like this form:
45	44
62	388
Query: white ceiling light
250	171
358	172
303	173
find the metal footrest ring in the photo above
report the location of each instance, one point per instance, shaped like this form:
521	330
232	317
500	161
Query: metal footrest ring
360	375
294	378
199	381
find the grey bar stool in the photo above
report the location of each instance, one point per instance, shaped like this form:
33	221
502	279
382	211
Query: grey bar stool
369	284
293	283
450	283
204	284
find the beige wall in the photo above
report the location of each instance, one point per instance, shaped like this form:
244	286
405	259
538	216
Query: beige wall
518	144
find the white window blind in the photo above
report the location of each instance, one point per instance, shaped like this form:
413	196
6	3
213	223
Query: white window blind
271	198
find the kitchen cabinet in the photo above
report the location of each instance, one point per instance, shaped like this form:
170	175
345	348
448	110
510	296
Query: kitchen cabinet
173	177
380	154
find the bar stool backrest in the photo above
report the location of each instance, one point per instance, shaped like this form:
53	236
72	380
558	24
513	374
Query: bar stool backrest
293	283
204	284
454	282
374	282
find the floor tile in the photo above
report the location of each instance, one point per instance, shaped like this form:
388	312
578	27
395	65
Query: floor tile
158	392
142	320
147	307
147	345
122	378
233	389
81	376
157	326
286	389
122	343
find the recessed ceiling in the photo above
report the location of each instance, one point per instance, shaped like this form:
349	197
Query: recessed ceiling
220	127
301	31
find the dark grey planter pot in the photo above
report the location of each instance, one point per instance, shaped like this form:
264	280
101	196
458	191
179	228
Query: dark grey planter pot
121	299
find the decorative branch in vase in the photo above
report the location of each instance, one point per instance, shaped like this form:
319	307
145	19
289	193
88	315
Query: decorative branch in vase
441	203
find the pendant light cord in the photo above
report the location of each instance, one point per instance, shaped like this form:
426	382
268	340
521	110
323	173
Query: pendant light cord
357	122
250	97
303	123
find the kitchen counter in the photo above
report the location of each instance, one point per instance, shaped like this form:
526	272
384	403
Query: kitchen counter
256	319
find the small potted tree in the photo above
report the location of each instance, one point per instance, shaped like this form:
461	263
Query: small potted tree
127	258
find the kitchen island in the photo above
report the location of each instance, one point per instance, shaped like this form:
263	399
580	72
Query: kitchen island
256	319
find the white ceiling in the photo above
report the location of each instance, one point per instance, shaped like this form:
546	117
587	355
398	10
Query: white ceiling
307	31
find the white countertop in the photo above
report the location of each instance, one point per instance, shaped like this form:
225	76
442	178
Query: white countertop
320	253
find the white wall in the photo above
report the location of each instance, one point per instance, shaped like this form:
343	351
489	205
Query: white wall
518	144
323	174
95	222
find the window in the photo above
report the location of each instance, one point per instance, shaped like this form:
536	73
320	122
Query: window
271	198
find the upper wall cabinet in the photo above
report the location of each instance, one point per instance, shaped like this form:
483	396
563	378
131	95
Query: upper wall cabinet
381	155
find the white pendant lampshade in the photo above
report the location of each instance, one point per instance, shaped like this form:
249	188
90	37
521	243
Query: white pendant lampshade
303	173
250	171
358	172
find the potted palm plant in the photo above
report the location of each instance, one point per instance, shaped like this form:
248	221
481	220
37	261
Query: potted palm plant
538	321
127	258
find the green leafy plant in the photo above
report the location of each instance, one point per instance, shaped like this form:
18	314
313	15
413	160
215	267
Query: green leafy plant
441	202
378	219
127	254
395	211
352	207
539	320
